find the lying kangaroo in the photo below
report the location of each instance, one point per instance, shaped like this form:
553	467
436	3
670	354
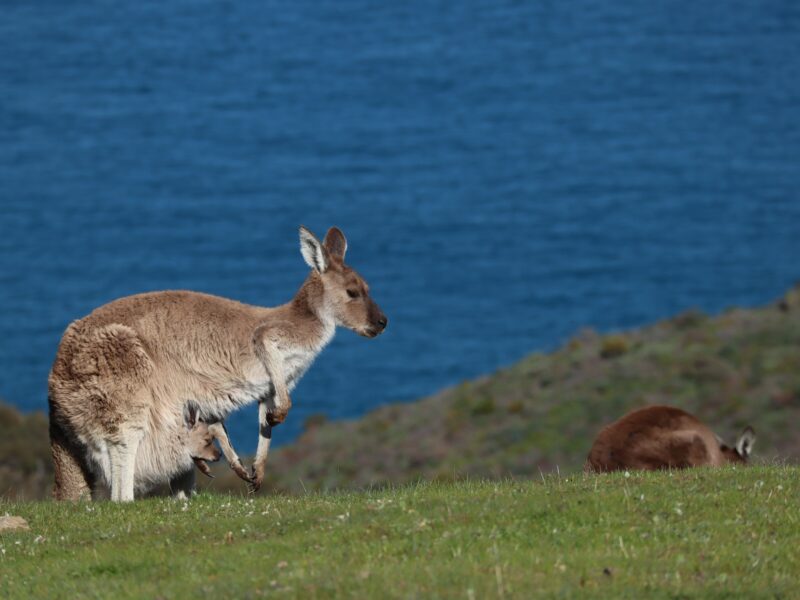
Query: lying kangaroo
123	374
663	437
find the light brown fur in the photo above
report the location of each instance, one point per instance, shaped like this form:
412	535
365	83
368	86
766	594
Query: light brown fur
662	437
123	375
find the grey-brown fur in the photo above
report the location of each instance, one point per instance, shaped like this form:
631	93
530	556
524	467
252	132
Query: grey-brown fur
123	375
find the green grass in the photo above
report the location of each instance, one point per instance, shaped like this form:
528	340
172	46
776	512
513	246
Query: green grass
703	533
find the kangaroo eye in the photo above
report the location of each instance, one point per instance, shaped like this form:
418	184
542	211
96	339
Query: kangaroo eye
353	293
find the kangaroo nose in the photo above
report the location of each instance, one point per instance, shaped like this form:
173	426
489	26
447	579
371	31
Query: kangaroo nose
383	322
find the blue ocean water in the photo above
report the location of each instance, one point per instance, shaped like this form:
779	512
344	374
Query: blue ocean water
506	172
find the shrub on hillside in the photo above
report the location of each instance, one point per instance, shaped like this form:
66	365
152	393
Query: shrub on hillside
26	470
613	346
483	406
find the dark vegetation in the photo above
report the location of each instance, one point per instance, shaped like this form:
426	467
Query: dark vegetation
26	470
738	368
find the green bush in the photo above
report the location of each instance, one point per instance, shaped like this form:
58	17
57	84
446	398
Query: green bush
613	346
484	406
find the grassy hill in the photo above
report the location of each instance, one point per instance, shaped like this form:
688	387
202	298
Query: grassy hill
730	533
741	367
490	502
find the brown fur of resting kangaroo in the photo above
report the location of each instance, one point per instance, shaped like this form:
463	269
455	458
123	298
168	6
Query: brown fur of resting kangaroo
663	437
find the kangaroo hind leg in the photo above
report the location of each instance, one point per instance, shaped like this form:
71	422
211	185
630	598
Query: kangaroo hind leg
73	478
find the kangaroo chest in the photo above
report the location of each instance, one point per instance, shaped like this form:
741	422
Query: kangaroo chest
295	365
257	383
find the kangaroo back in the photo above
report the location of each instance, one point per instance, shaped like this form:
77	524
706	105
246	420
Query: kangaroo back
657	437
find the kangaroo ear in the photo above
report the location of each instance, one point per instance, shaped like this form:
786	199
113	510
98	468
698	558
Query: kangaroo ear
335	242
315	254
744	445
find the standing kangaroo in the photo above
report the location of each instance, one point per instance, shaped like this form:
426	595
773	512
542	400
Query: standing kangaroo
124	374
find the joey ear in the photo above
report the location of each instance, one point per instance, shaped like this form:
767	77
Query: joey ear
744	445
335	242
190	415
313	251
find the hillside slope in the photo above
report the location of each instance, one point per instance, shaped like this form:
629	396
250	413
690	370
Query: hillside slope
738	368
26	468
741	367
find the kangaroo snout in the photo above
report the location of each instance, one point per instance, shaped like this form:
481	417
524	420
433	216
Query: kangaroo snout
376	327
376	320
208	454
